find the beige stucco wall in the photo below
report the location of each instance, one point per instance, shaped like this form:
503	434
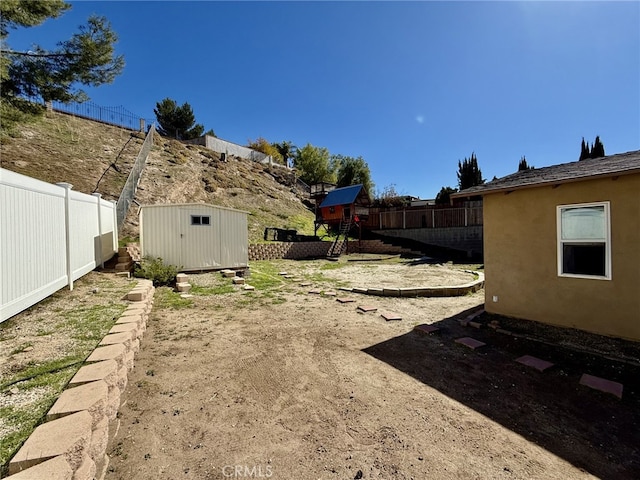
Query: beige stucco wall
520	251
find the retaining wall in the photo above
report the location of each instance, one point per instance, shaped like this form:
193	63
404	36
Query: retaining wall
302	250
72	443
468	239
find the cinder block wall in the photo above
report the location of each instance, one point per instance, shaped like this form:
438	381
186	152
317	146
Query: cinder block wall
301	250
288	250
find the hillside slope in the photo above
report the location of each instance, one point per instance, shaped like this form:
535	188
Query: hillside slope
94	157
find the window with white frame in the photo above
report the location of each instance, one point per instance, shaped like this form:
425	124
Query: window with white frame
584	240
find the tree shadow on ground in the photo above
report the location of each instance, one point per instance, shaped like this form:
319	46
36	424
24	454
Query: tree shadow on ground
593	430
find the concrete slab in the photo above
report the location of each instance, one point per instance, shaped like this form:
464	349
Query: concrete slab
283	273
602	384
426	329
367	308
388	316
345	299
55	469
315	291
330	293
68	436
249	287
472	343
306	284
533	362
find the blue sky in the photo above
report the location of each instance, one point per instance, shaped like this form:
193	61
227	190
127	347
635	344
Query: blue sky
412	87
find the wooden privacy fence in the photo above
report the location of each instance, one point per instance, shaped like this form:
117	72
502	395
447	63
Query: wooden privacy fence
424	218
49	237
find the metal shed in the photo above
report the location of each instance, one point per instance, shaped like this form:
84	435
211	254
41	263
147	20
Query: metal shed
195	236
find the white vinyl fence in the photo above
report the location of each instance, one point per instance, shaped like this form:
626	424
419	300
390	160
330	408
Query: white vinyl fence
49	237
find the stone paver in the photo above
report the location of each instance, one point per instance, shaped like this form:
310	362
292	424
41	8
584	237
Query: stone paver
472	343
602	384
306	284
315	291
426	329
367	308
537	363
345	300
330	293
388	316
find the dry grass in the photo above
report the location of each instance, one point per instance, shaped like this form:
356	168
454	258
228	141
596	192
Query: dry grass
95	157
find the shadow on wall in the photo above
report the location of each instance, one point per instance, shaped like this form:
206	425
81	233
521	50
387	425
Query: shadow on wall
592	430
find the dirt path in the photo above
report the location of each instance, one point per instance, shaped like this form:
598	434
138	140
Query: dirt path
292	385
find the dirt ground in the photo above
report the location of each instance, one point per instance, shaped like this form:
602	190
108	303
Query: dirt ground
280	383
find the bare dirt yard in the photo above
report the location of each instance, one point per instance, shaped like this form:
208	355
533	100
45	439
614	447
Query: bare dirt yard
285	384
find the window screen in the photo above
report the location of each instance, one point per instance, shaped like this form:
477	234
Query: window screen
583	240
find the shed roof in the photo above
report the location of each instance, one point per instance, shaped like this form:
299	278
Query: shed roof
342	196
609	166
182	205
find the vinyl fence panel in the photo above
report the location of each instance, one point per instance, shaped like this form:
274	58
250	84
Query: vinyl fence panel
38	255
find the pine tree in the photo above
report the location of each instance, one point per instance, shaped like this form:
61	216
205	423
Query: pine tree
87	58
597	150
469	174
584	150
177	121
523	165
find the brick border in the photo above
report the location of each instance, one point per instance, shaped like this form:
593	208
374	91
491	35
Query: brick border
72	443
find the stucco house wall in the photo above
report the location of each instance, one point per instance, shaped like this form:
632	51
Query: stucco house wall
521	250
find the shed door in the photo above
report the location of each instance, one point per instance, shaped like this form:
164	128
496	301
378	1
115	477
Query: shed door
198	238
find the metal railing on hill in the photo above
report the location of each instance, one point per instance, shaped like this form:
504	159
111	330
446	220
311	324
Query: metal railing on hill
118	116
129	190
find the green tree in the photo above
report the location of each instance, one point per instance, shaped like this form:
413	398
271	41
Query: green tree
469	174
352	171
444	195
523	165
262	145
389	197
584	150
177	121
597	149
314	165
87	58
286	149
